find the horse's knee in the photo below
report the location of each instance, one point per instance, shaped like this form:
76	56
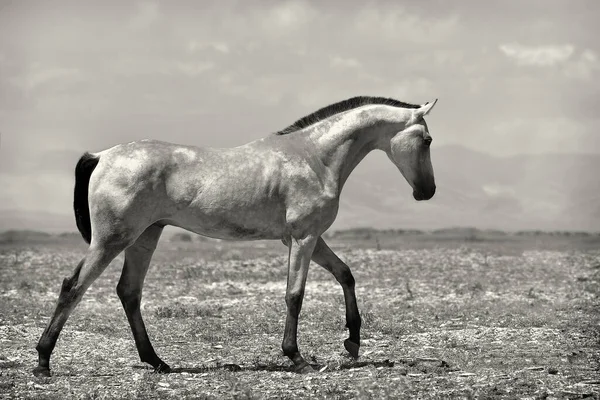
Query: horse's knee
294	302
68	293
69	285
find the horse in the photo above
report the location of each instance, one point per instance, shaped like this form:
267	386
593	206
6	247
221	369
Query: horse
285	186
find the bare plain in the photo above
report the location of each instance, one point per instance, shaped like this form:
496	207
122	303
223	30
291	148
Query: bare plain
451	314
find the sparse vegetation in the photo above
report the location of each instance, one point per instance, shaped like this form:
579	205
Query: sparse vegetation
442	318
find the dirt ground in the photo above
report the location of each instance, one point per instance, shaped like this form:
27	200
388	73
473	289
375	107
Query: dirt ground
516	318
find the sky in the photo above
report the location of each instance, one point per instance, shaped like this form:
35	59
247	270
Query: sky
512	77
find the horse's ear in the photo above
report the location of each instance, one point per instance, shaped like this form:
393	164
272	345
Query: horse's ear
425	108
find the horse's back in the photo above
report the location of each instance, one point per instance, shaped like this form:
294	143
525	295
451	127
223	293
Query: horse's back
228	193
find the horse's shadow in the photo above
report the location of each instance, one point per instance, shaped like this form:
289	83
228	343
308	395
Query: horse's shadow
275	367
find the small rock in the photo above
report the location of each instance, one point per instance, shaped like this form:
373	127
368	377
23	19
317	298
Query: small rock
552	371
589	382
232	367
536	368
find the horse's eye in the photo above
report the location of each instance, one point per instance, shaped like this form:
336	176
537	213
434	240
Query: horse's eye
428	140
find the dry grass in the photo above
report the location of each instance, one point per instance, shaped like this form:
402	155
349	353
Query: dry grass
441	320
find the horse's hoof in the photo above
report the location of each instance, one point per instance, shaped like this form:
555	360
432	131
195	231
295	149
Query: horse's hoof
41	372
352	348
162	369
304	369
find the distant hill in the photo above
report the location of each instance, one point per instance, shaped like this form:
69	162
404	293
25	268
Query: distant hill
37	237
36	221
17	236
545	192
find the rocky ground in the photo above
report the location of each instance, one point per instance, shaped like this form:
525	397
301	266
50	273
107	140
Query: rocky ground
440	321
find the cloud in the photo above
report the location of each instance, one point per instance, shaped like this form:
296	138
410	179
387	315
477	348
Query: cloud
291	14
38	76
193	69
221	47
146	14
414	90
541	56
342	62
396	23
496	189
260	90
584	67
315	98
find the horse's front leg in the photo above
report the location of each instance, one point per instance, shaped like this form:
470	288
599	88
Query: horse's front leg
299	259
326	258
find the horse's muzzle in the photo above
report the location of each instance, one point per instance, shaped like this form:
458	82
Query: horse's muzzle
424	194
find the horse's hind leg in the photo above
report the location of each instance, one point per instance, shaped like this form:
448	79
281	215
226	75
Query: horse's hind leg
326	258
73	288
129	289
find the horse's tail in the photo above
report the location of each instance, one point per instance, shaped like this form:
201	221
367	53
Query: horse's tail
86	165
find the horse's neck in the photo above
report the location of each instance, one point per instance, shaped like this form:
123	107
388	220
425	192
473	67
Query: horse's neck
344	149
345	140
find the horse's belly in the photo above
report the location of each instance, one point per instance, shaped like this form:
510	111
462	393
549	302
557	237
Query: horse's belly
235	224
229	195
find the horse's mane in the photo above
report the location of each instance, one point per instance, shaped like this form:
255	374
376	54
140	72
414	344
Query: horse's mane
340	107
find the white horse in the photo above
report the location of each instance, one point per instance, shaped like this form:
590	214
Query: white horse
285	186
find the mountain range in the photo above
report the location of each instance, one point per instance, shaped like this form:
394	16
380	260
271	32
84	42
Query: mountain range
544	192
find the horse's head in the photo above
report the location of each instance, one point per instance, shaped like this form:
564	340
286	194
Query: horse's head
409	151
